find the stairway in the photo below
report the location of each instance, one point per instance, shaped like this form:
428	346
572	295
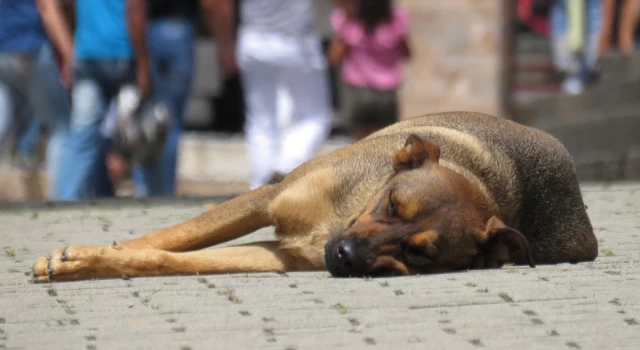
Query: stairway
535	75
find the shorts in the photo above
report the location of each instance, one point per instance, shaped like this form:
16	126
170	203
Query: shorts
368	107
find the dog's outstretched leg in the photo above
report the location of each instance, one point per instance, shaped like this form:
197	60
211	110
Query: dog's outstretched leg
85	262
230	220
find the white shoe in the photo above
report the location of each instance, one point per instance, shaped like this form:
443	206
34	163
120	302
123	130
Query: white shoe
572	86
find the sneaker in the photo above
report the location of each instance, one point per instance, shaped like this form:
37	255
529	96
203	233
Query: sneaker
572	86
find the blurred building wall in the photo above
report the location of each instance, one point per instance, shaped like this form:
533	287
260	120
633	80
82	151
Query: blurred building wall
457	56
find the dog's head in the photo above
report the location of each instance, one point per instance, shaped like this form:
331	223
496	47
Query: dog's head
427	219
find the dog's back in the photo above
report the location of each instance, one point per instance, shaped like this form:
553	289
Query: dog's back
528	172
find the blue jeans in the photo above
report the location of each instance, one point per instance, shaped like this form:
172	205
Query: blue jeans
34	80
582	63
17	116
96	82
29	135
171	46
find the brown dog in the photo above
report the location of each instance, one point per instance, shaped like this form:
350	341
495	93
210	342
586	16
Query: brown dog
437	193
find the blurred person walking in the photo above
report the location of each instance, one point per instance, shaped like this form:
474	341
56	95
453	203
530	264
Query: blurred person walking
279	50
575	34
619	26
171	43
107	51
371	43
17	118
30	85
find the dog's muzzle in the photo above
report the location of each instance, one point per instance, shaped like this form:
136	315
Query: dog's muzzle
352	257
346	257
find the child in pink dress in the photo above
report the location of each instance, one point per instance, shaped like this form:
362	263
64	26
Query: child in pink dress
371	43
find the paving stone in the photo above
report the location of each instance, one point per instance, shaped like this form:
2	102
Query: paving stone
584	306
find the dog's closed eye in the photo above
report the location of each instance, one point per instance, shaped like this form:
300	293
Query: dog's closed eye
392	206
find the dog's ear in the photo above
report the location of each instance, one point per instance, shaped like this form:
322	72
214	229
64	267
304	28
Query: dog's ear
500	244
415	153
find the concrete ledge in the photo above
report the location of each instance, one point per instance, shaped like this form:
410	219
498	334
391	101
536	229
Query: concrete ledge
600	127
112	203
209	164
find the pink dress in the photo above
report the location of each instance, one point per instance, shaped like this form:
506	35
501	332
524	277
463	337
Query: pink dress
373	59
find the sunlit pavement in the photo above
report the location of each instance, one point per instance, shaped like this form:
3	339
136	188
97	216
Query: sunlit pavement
585	306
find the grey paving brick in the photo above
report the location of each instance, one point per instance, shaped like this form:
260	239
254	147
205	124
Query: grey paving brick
584	306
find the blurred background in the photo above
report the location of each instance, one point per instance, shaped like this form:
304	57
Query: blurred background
569	67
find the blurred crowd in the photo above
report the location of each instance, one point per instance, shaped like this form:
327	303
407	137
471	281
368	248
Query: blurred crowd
84	70
581	32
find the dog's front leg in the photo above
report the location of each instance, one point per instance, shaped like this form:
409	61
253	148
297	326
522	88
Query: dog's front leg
232	219
86	262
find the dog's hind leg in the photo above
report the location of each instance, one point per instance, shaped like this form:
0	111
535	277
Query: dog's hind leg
85	262
232	219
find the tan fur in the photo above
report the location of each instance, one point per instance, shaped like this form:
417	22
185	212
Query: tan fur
482	161
501	166
292	206
423	238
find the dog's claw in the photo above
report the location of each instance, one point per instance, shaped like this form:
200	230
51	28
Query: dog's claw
63	256
49	270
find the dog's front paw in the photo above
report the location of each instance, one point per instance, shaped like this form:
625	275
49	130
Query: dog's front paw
42	269
68	264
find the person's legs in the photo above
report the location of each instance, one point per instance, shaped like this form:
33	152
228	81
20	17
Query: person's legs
305	79
171	46
50	101
82	150
95	83
103	186
627	25
310	116
261	127
115	169
593	25
606	33
6	112
373	110
564	59
13	94
559	45
28	136
17	109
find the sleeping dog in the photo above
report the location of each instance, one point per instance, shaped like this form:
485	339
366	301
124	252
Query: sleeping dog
437	193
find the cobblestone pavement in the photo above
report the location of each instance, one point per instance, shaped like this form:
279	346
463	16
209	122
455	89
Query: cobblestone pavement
584	306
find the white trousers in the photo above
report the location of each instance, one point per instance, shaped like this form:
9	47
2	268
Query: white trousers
276	69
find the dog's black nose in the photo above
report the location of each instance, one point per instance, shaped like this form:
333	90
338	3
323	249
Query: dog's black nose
350	264
345	253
